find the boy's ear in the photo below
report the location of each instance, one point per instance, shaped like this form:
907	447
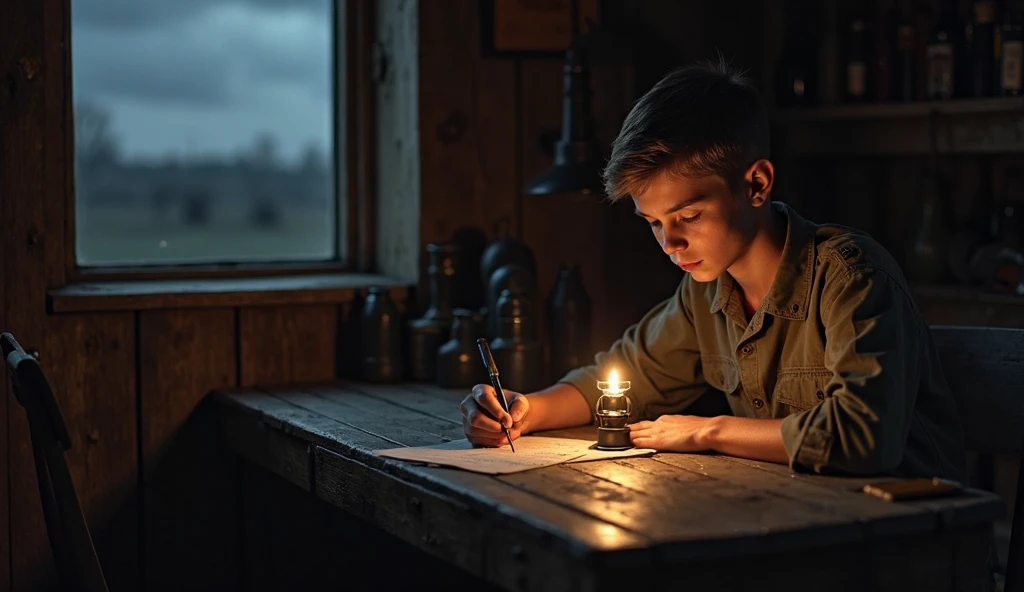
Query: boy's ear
760	177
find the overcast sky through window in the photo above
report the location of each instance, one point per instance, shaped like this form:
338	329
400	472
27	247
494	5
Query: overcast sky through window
195	78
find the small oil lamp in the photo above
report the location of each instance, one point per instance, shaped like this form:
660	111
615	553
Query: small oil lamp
612	410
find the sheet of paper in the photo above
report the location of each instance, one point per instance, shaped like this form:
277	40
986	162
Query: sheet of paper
532	452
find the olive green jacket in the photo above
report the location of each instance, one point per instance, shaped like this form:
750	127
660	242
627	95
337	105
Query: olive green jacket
838	350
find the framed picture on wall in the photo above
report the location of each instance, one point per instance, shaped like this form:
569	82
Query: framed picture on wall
531	28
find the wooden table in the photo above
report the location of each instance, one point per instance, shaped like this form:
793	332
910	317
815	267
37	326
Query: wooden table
705	521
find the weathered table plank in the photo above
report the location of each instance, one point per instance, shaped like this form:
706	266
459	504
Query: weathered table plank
411	417
533	518
427	403
686	519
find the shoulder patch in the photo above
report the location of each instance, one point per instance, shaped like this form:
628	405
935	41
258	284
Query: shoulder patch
850	254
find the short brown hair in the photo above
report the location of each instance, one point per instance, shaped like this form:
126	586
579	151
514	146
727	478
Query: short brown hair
702	119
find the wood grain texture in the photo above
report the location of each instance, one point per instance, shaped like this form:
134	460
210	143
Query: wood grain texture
90	362
397	198
189	523
25	559
6	395
287	345
278	415
348	405
468	133
468	123
589	526
217	292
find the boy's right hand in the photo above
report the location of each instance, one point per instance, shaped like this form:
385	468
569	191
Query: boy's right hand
481	414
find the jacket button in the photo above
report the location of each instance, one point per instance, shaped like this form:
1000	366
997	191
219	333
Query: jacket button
758	403
820	395
748	349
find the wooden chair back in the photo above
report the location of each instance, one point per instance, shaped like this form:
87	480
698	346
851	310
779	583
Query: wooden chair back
984	368
78	567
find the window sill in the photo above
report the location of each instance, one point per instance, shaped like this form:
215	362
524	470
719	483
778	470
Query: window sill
216	292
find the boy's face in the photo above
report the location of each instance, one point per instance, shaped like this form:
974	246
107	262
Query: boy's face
701	225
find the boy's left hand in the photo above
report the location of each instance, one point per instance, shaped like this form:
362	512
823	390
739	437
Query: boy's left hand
675	433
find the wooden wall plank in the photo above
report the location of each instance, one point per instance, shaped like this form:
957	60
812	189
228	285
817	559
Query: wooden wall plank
189	525
5	399
30	119
397	164
468	129
90	362
281	345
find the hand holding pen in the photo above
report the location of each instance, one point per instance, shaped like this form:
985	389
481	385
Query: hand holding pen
485	420
492	372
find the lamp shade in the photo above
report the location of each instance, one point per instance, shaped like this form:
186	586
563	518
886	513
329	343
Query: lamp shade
577	166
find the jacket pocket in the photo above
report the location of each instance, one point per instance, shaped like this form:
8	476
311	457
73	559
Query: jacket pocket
721	373
799	390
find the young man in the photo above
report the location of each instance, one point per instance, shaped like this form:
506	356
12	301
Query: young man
809	330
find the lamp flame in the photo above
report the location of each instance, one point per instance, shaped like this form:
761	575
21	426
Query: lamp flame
613	381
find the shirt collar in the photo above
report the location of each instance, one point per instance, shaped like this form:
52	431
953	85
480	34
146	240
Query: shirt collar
790	294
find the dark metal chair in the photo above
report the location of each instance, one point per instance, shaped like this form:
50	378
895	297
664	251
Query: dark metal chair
985	370
78	567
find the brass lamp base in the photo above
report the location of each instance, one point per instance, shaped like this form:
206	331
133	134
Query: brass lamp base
613	439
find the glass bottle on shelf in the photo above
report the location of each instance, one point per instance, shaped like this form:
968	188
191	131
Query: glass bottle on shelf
1011	52
883	55
796	72
905	69
569	320
518	354
927	253
857	60
380	337
983	43
926	256
427	333
940	56
1008	213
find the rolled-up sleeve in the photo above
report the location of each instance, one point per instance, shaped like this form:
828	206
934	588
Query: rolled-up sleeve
660	356
872	347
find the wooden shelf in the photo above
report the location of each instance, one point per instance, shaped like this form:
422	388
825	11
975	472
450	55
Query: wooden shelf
862	111
219	292
963	126
965	305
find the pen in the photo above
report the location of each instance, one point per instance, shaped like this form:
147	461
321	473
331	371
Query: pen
492	371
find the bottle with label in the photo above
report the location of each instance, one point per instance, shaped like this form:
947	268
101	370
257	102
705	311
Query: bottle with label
983	52
1011	52
940	56
906	56
856	61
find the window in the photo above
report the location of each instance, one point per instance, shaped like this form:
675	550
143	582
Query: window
206	131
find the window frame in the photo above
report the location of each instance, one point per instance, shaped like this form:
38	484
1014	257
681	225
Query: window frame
353	108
